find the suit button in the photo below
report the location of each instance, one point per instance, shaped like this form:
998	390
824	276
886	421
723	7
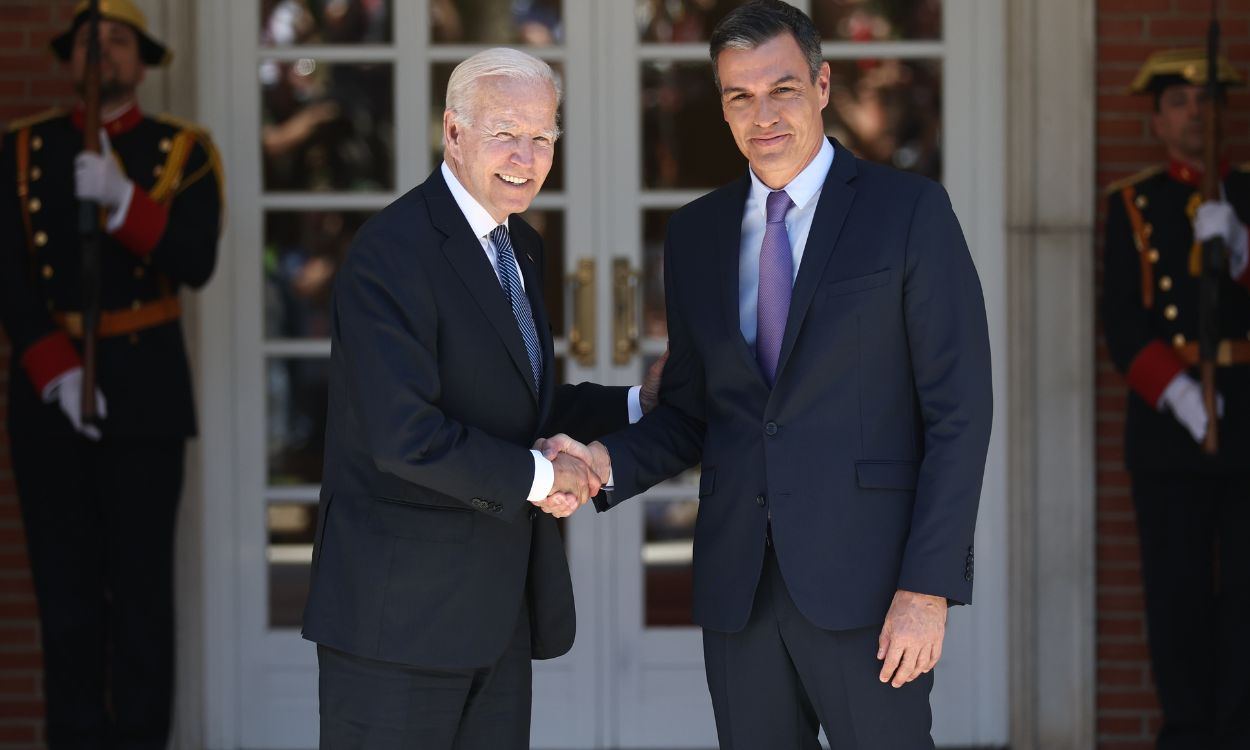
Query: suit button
770	428
759	500
477	502
41	238
47	272
1170	312
968	577
34	205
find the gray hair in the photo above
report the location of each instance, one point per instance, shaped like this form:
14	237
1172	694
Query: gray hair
497	61
760	21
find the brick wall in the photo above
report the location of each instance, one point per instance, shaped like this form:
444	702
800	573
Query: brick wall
1128	30
30	80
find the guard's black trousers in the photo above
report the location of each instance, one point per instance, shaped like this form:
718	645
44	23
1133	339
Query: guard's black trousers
99	523
1196	573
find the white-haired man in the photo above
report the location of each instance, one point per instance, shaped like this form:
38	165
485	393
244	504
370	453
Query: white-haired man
435	577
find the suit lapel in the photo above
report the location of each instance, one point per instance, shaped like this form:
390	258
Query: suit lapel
835	203
464	253
726	254
527	258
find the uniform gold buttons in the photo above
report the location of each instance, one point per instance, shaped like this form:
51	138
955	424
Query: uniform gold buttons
166	145
156	171
1147	229
1165	283
35	173
41	238
1170	312
34	205
47	272
139	272
1178	340
1142	202
1153	255
36	143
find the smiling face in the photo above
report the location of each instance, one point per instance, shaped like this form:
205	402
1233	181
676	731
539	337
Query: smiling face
773	107
502	151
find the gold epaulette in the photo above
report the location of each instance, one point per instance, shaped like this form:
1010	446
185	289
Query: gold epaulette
201	136
35	119
1133	179
1243	167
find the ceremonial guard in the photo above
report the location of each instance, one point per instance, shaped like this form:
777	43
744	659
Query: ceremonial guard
1193	505
99	492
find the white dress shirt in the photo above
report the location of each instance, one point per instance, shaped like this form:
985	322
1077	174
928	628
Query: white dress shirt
804	191
482	224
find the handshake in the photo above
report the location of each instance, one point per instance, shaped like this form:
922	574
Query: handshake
580	472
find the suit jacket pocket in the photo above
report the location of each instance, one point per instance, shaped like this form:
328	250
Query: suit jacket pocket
858	284
431	523
887	475
707	481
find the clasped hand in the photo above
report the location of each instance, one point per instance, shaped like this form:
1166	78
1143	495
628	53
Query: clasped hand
580	472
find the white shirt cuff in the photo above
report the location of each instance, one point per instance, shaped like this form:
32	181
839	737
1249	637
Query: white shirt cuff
544	478
1172	392
117	216
634	404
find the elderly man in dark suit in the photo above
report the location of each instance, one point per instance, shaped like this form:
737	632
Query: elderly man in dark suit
435	578
830	367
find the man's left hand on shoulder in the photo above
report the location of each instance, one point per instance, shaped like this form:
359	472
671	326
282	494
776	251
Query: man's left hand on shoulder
911	639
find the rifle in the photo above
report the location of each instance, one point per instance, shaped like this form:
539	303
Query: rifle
1214	254
89	218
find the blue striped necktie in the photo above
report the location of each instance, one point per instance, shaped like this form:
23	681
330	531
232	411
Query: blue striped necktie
510	279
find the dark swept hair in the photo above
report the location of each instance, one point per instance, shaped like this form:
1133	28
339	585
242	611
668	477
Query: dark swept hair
759	21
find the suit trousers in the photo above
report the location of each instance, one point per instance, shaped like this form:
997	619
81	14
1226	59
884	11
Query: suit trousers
776	682
376	705
99	521
1196	575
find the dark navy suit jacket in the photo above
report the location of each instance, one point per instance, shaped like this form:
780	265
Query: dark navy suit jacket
869	451
426	545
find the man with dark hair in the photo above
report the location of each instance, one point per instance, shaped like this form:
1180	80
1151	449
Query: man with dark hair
830	367
99	499
1192	508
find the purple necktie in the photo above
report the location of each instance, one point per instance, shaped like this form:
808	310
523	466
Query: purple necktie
776	281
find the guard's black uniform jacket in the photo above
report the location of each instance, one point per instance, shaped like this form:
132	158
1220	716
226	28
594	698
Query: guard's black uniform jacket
169	238
1150	317
1191	508
99	515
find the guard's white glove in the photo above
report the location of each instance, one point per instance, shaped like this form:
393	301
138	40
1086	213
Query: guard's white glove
66	390
1183	397
1218	219
97	177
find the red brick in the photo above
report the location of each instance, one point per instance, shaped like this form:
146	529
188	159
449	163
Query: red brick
18	707
15	732
1133	7
25	13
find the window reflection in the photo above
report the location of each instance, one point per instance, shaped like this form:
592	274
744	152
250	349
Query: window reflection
440	74
667	559
889	111
327	126
291	530
535	23
685	141
298	392
303	249
877	20
654	230
677	21
290	22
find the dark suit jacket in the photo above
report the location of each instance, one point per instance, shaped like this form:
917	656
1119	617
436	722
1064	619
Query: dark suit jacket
868	453
426	543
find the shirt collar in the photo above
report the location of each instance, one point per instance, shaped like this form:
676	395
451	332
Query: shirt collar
480	220
805	185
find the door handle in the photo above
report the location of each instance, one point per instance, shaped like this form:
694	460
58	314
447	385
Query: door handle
624	312
582	333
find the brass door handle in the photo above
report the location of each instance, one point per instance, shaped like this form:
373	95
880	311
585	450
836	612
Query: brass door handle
624	312
582	332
